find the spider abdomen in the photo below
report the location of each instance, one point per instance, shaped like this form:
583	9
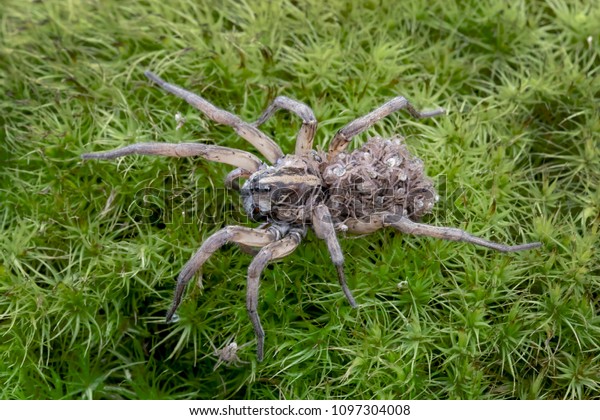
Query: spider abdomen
380	177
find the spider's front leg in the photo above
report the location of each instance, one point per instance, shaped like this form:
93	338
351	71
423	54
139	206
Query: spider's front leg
324	228
253	135
405	225
238	234
344	135
244	160
268	253
306	134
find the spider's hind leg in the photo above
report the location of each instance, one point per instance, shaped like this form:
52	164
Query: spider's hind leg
405	225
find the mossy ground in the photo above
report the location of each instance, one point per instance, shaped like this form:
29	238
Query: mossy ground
87	267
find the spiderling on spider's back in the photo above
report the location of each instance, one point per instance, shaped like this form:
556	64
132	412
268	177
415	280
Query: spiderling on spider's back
376	186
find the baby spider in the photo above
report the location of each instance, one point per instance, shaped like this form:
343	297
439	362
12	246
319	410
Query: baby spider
376	186
228	354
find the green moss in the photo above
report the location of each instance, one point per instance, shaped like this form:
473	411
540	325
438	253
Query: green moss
89	251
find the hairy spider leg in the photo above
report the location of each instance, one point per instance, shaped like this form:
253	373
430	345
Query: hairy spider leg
405	225
360	227
344	135
323	226
244	160
304	140
238	234
306	135
267	147
233	176
270	252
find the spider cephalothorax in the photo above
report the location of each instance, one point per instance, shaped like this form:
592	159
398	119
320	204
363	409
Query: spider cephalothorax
376	186
284	192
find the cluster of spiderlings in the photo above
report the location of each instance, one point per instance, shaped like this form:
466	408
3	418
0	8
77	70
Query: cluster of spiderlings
380	177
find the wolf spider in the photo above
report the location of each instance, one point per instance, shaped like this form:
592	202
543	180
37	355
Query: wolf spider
379	185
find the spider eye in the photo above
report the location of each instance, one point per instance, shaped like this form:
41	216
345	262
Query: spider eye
263	188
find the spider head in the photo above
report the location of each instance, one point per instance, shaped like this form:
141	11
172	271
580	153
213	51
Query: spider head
282	192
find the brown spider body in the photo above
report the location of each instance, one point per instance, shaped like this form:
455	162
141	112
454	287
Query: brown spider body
382	177
378	185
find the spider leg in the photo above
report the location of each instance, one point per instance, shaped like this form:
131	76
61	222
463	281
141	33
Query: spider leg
360	227
272	251
233	176
238	234
324	228
252	251
306	134
257	138
344	135
244	160
405	225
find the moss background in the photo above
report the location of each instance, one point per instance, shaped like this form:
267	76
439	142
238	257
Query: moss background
89	251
